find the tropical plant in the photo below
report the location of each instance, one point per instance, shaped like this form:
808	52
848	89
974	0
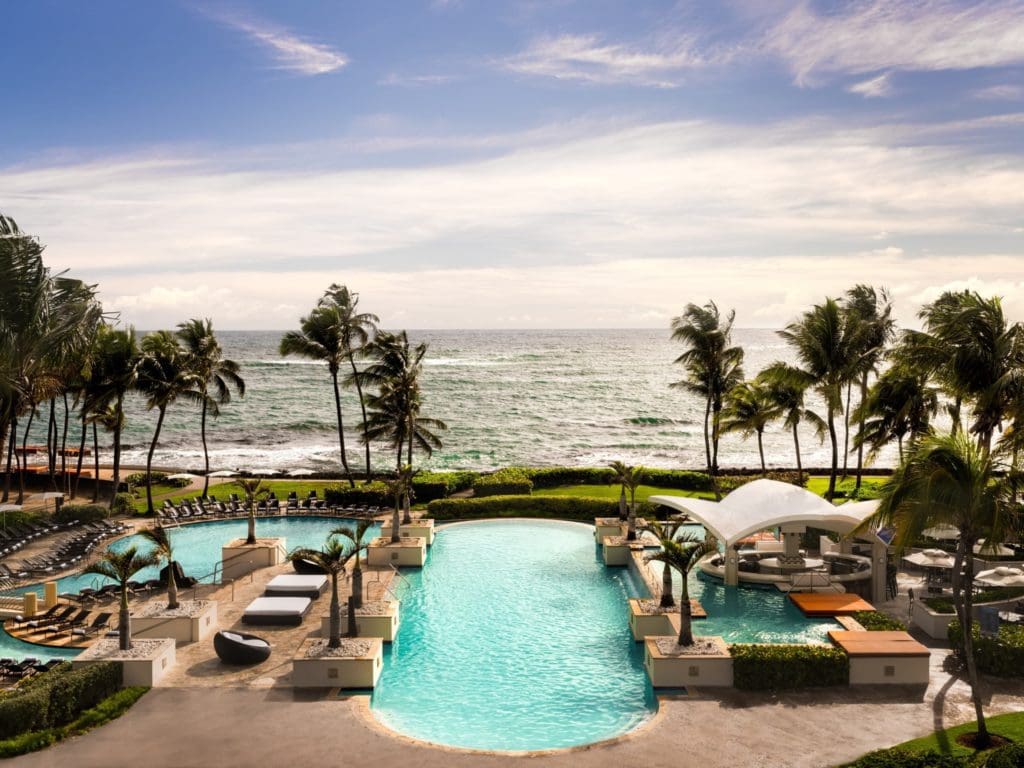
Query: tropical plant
630	478
665	531
950	481
786	390
682	553
712	365
214	377
355	535
749	408
120	567
254	492
160	538
899	405
117	364
398	489
332	558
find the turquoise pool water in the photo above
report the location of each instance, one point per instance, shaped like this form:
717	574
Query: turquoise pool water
514	637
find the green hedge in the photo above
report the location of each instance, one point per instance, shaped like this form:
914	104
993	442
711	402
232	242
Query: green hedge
776	667
511	481
558	507
681	480
1009	756
375	493
87	513
945	604
901	758
56	697
1002	655
873	621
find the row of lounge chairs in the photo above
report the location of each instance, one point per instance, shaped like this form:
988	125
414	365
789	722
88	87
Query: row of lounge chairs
64	618
12	669
210	507
14	537
111	592
70	550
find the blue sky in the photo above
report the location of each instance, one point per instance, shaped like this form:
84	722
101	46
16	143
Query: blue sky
520	164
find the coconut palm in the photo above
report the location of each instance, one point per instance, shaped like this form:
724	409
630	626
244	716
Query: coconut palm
682	553
898	406
398	488
712	367
355	329
254	492
786	390
320	338
117	364
665	531
332	558
950	481
618	474
160	538
355	534
630	479
821	339
163	377
215	376
121	567
749	408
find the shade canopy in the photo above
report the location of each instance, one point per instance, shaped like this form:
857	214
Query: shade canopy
10	507
765	504
263	472
930	558
1003	576
181	476
942	533
992	550
300	472
222	473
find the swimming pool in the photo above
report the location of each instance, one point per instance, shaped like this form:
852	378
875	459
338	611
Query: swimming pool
514	637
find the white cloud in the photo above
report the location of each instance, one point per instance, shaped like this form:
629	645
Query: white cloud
291	52
416	80
1005	92
925	35
873	88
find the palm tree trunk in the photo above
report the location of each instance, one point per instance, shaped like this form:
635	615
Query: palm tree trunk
411	431
357	581
406	513
667	600
149	460
250	536
3	443
96	463
860	448
398	462
685	616
81	455
846	429
362	407
799	466
707	432
831	493
631	528
623	509
341	429
395	537
206	451
957	403
172	586
716	417
124	620
24	453
760	450
65	480
335	615
353	629
118	411
51	443
10	457
962	598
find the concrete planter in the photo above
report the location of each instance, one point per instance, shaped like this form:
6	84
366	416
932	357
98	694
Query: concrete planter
423	529
936	625
192	622
145	664
678	671
238	558
357	664
374	619
615	550
644	624
607	526
889	670
406	553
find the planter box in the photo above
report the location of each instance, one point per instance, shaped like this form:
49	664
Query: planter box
357	664
671	671
406	553
192	622
935	625
607	526
892	670
374	619
615	550
644	624
144	665
238	558
416	529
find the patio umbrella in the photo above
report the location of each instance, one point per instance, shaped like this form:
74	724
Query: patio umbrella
942	533
1003	576
263	472
181	476
930	558
300	472
998	550
222	473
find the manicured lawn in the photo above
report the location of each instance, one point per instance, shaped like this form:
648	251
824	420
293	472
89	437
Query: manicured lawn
222	490
1010	726
819	484
612	492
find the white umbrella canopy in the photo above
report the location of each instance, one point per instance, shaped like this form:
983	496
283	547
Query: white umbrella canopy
263	472
10	507
52	495
181	476
300	472
930	558
942	533
998	550
222	473
1003	576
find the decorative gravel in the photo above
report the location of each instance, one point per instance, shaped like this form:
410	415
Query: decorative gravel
158	607
702	646
371	608
107	648
653	607
318	649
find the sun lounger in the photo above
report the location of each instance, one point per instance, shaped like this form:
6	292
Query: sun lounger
296	585
277	610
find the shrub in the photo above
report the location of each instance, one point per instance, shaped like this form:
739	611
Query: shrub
87	513
123	504
139	478
1001	655
57	697
873	621
429	486
505	482
728	483
375	494
552	477
557	507
901	758
777	667
1009	756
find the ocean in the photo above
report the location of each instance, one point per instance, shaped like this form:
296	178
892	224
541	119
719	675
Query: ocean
536	398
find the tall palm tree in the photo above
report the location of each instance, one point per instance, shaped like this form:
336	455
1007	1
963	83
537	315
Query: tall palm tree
630	479
899	405
822	341
121	567
355	534
749	409
682	552
713	366
160	538
332	558
215	376
117	363
355	328
787	389
952	481
254	492
163	377
398	489
665	531
320	338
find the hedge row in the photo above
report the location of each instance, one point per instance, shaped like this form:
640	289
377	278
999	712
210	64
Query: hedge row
777	667
873	621
57	697
511	481
682	480
559	507
1007	756
375	494
1001	655
945	604
87	513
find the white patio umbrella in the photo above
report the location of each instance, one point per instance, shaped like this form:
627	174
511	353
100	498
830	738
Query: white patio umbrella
222	473
181	476
942	533
300	472
998	550
1003	576
930	558
263	472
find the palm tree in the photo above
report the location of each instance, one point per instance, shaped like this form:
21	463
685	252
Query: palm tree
160	538
748	410
786	390
398	488
355	328
682	553
900	404
712	366
630	478
117	363
254	492
320	338
663	532
355	535
332	559
163	377
215	376
950	480
821	340
121	567
618	476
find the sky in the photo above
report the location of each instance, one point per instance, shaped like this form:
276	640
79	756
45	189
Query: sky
519	164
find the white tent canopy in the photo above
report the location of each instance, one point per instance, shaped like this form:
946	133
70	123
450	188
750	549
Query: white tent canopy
765	504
